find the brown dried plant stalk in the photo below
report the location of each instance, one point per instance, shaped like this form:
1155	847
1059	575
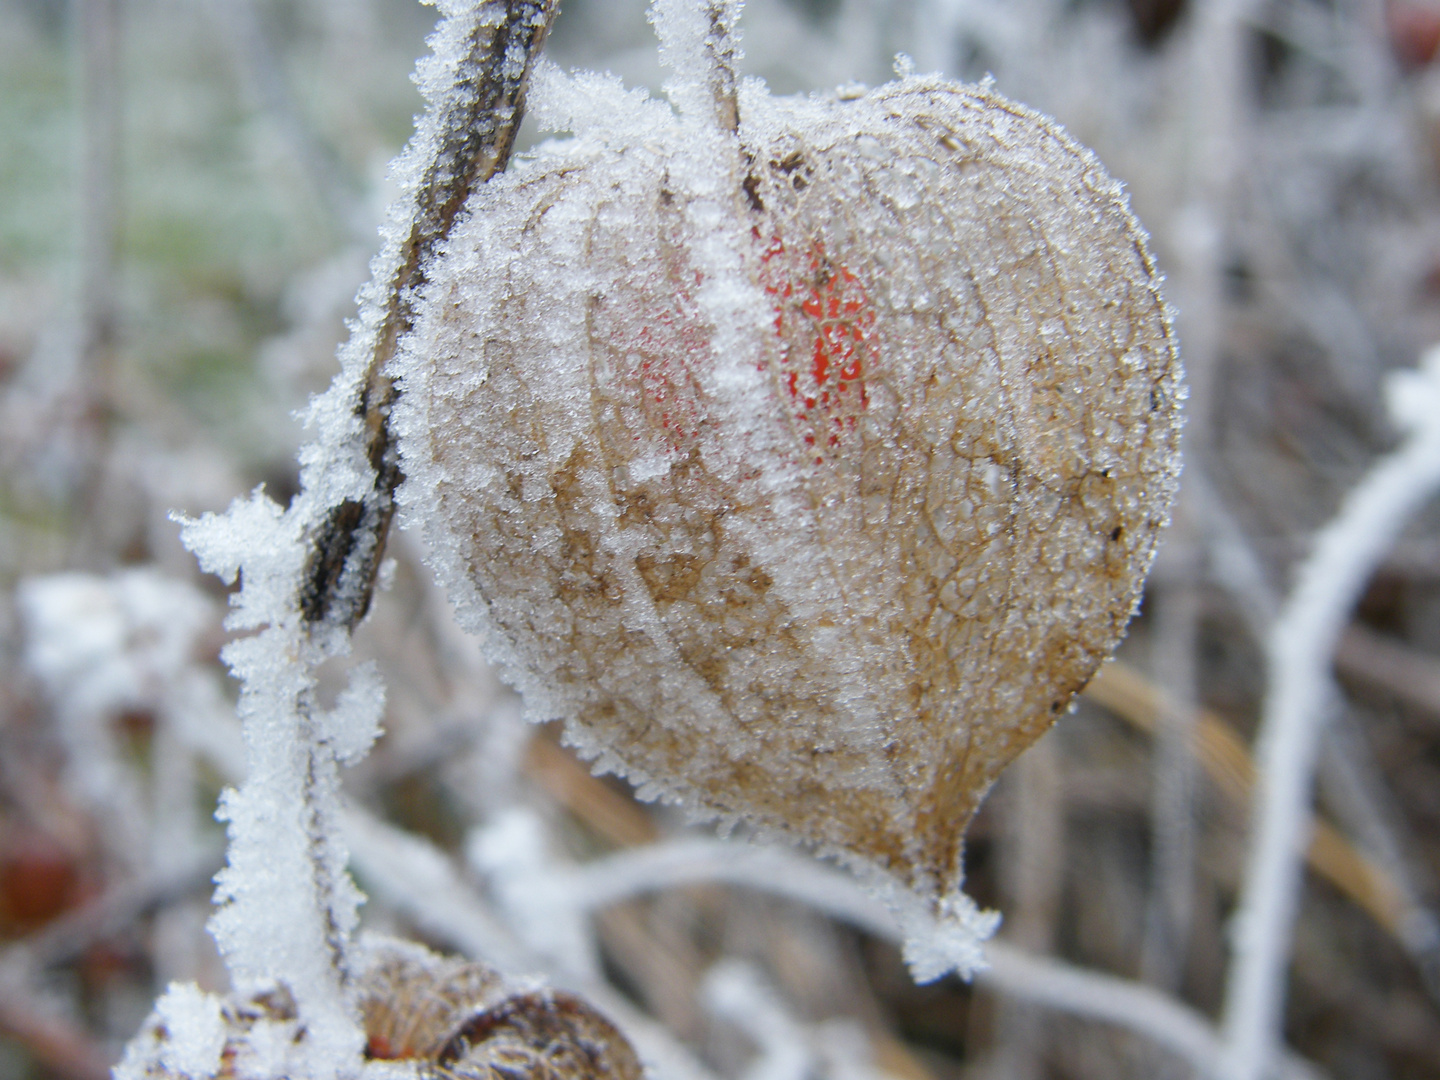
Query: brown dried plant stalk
478	134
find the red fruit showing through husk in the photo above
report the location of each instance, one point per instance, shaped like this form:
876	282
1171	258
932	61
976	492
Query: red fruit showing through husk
826	381
809	472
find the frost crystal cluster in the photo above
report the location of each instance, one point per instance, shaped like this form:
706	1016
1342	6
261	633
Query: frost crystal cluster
804	455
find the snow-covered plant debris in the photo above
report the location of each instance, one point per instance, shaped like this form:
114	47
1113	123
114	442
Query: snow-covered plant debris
421	1013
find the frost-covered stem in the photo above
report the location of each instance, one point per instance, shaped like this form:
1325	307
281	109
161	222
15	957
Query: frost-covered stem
288	905
1054	984
699	40
1301	647
721	52
471	132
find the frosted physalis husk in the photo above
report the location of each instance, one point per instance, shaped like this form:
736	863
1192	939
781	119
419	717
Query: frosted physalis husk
807	471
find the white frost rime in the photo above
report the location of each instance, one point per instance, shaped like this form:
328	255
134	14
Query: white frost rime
288	908
804	455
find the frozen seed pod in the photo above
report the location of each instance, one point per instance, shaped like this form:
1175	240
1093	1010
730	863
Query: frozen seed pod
806	471
449	1018
460	1020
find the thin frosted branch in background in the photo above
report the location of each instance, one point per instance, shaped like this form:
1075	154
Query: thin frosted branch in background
736	991
261	70
56	414
1231	558
1170	904
100	101
1215	106
592	886
420	882
789	1049
1350	780
1351	784
1126	1004
1033	869
1301	647
1040	980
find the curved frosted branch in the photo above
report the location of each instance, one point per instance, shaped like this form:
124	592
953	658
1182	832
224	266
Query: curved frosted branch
1301	646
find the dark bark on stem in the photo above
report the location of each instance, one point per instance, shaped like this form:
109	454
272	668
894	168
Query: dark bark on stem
720	52
477	134
321	764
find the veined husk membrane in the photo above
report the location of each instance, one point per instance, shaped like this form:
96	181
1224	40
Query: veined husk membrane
806	472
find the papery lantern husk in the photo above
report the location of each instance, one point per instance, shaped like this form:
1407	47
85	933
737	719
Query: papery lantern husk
828	569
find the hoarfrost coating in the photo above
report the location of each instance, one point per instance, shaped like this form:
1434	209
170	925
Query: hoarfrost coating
288	908
807	470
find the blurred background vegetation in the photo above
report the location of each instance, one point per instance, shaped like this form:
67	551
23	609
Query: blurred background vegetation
189	192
